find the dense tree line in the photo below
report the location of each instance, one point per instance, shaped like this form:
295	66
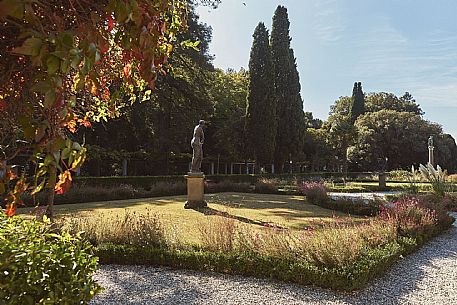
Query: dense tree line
390	129
258	115
158	129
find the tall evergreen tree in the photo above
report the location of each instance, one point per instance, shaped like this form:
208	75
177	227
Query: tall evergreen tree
296	113
289	138
261	102
358	102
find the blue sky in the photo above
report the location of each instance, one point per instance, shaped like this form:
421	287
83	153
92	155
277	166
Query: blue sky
389	45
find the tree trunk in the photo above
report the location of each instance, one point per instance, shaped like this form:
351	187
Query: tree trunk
345	159
51	191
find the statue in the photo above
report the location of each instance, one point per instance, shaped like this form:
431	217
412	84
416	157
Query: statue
430	141
197	146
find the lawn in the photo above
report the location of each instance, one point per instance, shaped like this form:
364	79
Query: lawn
256	210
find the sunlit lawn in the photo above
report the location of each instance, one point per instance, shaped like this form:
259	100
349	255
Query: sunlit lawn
256	210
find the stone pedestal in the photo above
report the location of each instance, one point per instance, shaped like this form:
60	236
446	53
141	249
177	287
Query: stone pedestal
195	191
431	157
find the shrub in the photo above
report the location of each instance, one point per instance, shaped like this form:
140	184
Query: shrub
360	207
413	177
128	228
450	202
218	235
410	217
315	192
229	186
92	193
41	266
266	186
341	245
399	175
437	178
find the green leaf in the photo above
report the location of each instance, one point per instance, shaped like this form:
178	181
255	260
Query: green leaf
53	64
38	188
56	155
65	66
48	160
2	188
66	153
42	87
67	39
59	143
75	61
76	146
49	99
30	47
121	12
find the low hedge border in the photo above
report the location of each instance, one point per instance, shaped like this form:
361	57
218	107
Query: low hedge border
357	275
243	178
359	208
348	278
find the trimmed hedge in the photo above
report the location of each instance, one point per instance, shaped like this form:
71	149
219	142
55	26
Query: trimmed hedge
142	181
348	278
353	207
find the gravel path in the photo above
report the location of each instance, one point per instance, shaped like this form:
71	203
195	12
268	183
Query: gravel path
362	196
428	276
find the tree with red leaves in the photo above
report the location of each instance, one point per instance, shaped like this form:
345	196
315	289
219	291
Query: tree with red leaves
66	63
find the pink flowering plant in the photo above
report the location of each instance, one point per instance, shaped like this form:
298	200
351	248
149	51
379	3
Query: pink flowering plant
315	192
410	216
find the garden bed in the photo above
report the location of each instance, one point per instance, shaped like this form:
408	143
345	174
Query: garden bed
337	254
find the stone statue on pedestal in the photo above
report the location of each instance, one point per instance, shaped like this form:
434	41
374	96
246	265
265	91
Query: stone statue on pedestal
197	146
430	141
196	179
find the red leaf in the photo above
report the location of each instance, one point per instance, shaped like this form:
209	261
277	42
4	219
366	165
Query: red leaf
2	105
10	209
111	22
64	183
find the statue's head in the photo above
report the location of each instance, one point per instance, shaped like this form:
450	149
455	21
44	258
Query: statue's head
201	122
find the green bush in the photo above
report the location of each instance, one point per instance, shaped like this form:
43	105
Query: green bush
358	207
90	193
228	186
353	276
41	266
266	186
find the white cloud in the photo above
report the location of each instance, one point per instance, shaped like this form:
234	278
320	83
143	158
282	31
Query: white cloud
424	66
328	23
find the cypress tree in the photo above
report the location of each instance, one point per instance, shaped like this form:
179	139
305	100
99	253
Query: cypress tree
261	101
289	136
358	102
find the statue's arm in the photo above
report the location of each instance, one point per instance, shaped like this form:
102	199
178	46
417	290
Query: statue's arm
202	134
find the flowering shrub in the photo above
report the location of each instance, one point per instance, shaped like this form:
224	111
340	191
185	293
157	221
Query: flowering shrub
315	192
410	216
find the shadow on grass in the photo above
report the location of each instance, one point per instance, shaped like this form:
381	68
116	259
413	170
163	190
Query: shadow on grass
210	211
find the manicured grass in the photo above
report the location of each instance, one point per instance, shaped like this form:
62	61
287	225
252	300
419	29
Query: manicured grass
257	210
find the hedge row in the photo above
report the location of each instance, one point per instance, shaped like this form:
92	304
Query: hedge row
347	278
142	181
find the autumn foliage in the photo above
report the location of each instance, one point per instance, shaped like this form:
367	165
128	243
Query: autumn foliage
66	63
